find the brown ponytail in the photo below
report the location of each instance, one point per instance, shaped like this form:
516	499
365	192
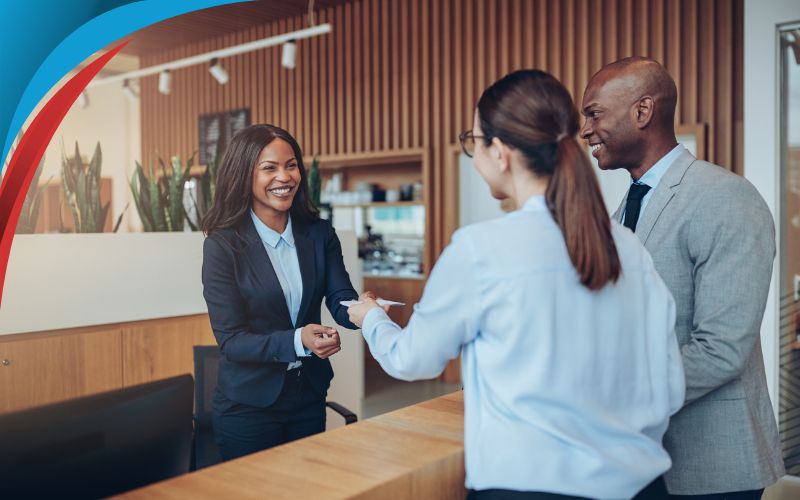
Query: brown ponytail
576	204
531	111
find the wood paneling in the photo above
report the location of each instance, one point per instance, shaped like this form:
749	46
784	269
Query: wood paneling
44	368
415	452
215	21
158	349
407	73
404	290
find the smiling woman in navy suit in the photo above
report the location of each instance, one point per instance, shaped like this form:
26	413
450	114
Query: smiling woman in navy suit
268	260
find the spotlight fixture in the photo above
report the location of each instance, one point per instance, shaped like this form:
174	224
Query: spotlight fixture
164	81
129	91
83	100
204	58
218	72
289	54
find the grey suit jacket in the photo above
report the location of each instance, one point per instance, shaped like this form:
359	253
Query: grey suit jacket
712	240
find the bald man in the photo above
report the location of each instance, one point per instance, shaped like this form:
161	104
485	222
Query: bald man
712	240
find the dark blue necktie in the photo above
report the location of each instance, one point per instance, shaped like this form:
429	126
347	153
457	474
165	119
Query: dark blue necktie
634	205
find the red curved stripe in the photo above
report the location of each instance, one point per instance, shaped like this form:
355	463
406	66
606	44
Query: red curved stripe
32	146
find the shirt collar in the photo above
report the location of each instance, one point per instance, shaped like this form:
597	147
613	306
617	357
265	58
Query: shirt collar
653	176
535	203
269	235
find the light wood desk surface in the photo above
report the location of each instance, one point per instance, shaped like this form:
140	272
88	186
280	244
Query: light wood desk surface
415	452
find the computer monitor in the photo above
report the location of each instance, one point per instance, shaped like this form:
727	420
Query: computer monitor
98	445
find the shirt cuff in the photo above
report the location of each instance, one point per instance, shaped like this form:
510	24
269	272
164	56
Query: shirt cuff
373	317
299	348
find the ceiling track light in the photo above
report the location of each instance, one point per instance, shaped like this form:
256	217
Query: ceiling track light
164	81
289	54
218	72
263	43
129	91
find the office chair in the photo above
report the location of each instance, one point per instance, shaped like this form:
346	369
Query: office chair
206	365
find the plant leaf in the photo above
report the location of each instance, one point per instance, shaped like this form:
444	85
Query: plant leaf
119	219
141	197
79	201
101	219
132	184
156	204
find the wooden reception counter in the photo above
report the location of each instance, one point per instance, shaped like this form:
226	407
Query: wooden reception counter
415	452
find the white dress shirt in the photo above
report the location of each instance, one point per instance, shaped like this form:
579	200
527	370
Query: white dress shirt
565	390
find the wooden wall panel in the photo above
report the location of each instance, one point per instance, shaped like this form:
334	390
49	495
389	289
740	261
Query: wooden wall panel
44	368
405	290
407	73
153	350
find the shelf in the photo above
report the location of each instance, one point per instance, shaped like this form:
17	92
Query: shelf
378	204
195	171
373	158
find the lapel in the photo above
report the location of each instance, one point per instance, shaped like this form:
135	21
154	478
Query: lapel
664	192
621	208
260	263
305	257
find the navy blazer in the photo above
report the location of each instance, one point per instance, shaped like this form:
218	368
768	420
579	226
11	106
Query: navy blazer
248	310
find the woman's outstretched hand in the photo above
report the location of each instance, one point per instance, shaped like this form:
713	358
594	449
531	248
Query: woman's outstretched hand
358	311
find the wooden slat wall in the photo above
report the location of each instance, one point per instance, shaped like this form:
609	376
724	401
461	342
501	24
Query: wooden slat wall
407	73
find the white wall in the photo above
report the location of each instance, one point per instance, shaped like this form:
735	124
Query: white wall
475	201
761	139
114	121
57	281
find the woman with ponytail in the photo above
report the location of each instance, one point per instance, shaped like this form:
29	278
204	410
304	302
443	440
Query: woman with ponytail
570	365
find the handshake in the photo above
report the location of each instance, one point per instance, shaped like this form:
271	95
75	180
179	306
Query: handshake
324	341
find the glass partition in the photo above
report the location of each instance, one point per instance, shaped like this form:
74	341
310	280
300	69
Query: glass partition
789	241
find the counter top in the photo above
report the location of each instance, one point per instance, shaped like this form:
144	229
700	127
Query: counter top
414	452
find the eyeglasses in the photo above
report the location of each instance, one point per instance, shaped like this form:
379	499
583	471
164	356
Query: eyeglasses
467	140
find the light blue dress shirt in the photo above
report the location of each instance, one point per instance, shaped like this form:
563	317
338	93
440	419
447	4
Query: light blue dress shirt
283	256
566	390
653	176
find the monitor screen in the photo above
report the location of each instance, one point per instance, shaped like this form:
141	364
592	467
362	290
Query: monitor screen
98	445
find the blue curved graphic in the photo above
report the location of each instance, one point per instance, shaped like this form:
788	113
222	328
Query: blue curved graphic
42	40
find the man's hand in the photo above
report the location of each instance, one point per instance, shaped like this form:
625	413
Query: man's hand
323	341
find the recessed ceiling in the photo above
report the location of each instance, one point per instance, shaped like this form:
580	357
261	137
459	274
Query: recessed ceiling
216	21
